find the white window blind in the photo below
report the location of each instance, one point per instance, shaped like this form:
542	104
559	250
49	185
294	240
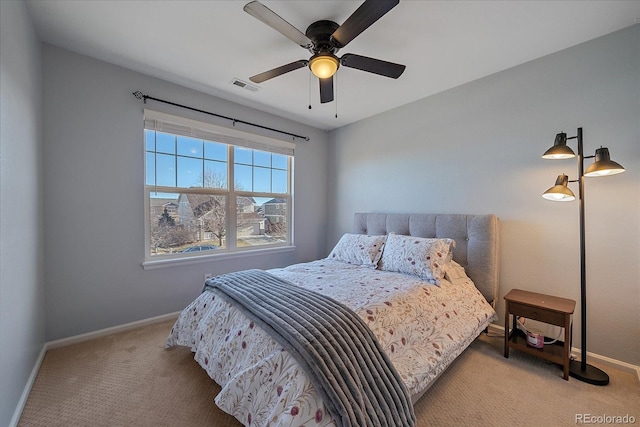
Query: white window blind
163	122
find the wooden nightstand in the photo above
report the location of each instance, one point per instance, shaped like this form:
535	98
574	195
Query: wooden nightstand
543	308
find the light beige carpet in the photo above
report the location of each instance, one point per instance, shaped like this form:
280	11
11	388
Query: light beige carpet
129	379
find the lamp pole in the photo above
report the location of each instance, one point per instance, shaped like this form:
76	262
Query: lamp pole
583	371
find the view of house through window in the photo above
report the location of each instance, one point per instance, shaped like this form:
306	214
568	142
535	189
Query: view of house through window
208	197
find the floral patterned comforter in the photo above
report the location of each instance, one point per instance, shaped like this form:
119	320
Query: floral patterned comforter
421	327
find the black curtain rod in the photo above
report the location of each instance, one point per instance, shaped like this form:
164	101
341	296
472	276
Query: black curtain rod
144	97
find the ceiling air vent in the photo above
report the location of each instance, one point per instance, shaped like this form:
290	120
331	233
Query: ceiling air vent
244	85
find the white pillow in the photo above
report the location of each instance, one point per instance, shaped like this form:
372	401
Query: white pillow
418	256
358	249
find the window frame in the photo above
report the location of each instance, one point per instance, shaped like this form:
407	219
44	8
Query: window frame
232	138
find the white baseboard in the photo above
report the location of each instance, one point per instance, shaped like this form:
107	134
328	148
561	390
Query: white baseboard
108	331
27	389
495	329
607	361
74	340
575	352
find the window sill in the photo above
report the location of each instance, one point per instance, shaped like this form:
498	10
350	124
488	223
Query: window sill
199	259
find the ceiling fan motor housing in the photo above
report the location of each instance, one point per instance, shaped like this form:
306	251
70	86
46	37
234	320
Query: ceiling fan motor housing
320	34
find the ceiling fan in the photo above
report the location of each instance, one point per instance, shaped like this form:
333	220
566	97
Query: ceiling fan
323	39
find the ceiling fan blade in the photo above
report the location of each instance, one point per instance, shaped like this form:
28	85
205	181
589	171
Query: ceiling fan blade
372	65
368	13
275	21
326	90
259	78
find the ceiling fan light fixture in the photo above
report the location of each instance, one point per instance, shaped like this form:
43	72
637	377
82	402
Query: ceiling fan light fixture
324	65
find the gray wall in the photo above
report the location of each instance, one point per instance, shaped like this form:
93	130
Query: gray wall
94	196
21	250
476	149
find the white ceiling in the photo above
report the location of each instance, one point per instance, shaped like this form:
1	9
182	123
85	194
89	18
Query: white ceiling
204	45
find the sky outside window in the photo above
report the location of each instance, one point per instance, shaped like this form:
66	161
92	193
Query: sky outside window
186	162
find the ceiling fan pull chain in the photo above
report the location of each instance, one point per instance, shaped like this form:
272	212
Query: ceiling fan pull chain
335	81
310	78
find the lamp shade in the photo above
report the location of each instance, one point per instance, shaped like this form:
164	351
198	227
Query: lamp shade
603	165
559	149
323	65
560	192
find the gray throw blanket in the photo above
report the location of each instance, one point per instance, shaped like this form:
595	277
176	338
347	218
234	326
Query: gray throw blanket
338	352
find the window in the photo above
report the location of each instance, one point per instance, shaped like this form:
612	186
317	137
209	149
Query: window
211	190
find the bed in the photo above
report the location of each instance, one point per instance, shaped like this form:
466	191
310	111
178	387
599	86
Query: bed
424	284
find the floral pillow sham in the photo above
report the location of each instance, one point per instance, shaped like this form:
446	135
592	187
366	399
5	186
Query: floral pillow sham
418	256
358	249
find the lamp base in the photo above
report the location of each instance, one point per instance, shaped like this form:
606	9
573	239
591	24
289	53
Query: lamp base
591	374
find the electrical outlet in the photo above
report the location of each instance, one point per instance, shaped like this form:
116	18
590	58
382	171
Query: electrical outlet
208	276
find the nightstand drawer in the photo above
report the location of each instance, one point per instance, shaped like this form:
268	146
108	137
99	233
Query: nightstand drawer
537	313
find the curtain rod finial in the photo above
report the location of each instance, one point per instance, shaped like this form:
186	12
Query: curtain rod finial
138	94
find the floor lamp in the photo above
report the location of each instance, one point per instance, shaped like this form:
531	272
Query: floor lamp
602	166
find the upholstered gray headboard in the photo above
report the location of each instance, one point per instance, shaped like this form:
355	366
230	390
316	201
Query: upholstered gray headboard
476	239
